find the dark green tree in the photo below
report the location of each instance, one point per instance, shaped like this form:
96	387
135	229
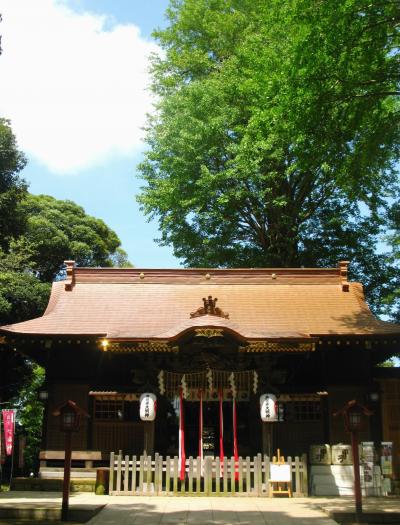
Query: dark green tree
30	414
37	233
12	187
392	297
276	132
57	230
22	296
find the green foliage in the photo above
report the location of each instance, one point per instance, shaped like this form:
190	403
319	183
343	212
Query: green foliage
30	414
389	363
22	296
37	233
392	299
276	132
60	230
12	187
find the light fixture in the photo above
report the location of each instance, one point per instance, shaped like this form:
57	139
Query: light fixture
71	416
43	395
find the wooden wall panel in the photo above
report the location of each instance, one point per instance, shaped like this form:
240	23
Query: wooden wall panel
295	438
338	397
114	436
391	418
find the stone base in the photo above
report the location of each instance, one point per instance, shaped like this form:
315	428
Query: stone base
52	485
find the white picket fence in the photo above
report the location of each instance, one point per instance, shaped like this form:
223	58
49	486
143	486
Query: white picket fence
158	476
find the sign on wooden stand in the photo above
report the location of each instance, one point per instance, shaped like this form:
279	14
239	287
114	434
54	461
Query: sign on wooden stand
280	479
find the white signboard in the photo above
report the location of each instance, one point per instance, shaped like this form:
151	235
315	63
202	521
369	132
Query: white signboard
387	458
280	473
367	462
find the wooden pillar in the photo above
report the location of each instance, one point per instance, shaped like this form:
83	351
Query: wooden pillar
326	419
267	439
90	423
148	441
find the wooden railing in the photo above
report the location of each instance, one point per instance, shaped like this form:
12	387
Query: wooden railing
156	476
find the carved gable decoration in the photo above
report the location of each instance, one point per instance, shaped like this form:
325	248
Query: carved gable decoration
209	308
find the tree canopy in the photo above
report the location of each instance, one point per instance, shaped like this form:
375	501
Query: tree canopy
392	298
58	230
12	188
37	233
276	132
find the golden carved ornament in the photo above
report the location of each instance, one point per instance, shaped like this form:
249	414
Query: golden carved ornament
266	346
209	332
147	346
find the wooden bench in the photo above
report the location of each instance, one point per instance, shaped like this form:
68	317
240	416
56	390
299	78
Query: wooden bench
88	456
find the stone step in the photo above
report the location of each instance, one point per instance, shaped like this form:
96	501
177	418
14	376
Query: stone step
58	472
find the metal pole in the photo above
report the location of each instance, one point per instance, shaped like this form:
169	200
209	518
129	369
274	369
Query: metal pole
357	484
67	475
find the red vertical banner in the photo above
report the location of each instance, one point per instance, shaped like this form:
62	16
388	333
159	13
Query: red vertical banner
9	429
182	452
2	459
221	428
235	443
201	426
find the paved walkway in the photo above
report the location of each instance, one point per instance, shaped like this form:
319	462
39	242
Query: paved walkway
138	510
210	511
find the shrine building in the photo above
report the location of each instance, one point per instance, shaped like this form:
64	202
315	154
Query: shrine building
303	335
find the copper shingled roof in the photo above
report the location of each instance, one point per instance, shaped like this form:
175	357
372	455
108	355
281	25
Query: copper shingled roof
156	304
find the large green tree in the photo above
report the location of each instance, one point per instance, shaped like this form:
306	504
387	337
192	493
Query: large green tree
12	187
276	131
37	233
54	231
392	298
57	230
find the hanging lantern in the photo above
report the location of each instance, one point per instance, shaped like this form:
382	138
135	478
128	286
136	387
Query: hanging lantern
268	408
148	407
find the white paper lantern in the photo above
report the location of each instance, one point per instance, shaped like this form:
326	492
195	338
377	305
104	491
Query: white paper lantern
268	408
148	407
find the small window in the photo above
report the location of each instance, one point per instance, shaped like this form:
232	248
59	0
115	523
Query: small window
299	411
109	409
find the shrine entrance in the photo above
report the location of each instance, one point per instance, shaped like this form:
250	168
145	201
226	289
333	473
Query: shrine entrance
217	393
211	430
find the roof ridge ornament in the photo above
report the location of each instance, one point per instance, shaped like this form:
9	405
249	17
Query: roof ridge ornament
209	308
70	281
343	269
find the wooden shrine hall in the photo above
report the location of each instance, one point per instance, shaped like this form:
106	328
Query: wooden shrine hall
303	335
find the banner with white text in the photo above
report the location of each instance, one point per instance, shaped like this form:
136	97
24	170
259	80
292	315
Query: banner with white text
9	429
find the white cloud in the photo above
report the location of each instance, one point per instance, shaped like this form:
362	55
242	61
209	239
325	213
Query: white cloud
74	90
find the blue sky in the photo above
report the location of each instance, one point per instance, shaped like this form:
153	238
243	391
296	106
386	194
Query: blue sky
75	92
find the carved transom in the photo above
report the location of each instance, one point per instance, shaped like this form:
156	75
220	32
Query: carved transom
209	308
